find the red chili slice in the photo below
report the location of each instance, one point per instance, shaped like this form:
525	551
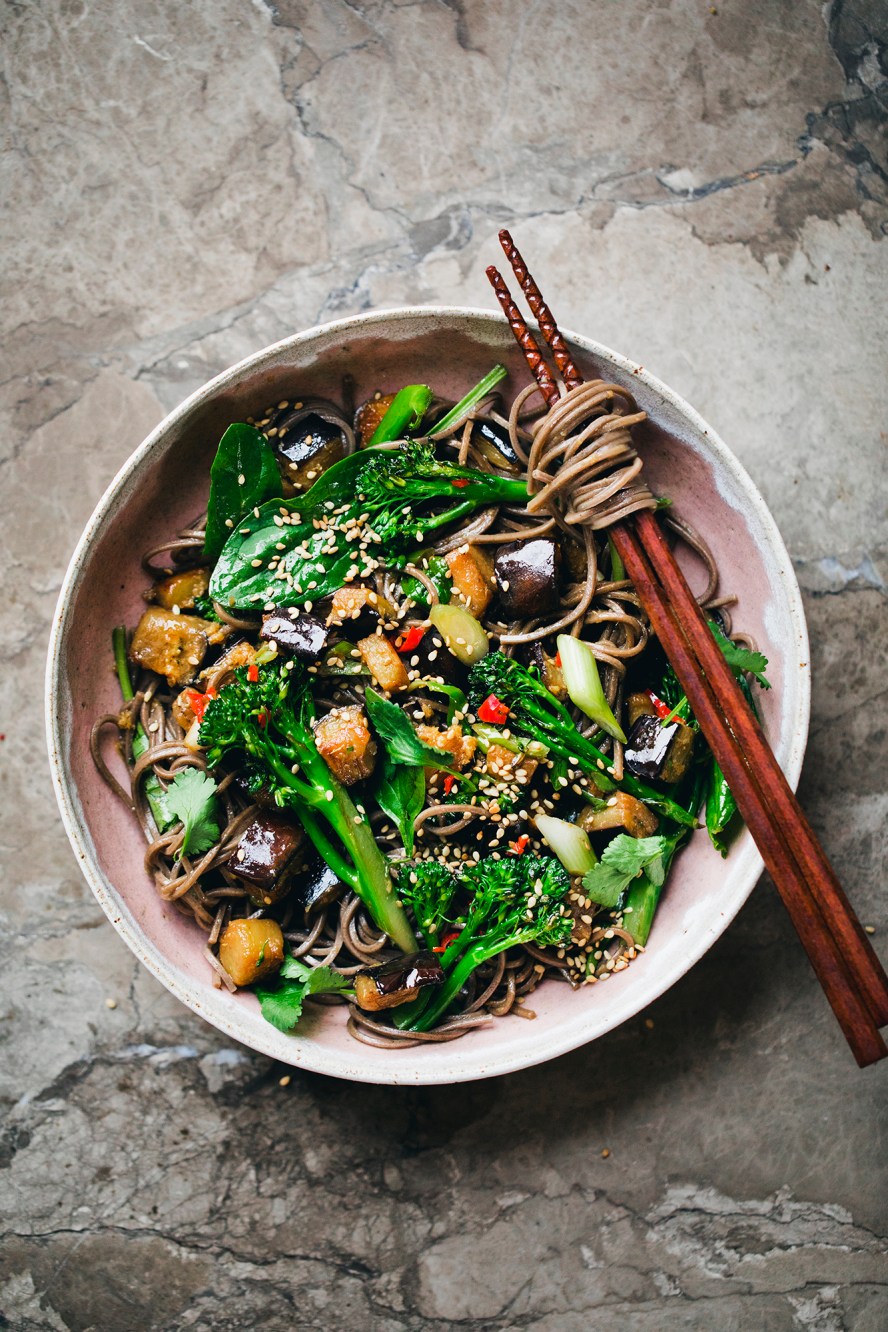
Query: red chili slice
460	483
521	845
410	639
493	710
662	709
252	672
199	702
449	783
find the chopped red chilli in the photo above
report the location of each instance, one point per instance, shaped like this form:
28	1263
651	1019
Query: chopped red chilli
409	640
460	483
493	710
199	702
662	709
252	672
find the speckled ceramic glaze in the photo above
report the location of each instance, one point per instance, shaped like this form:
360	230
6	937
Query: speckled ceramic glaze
165	484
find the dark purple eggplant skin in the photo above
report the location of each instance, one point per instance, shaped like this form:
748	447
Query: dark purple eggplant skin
647	747
493	439
296	634
315	885
435	660
266	854
398	981
527	577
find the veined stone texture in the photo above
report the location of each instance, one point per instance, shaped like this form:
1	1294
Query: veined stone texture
703	187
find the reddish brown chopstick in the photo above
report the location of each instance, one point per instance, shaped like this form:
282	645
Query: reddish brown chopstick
843	959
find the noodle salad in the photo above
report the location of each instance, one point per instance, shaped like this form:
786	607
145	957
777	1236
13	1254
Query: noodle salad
394	721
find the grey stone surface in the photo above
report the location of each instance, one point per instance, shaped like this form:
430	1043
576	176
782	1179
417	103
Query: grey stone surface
704	187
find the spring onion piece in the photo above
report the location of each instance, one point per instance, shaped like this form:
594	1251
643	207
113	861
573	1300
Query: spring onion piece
461	632
472	398
570	843
583	683
493	735
407	409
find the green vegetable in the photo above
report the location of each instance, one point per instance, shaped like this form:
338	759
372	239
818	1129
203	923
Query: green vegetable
457	699
622	860
269	720
437	571
154	792
472	398
583	684
281	1004
398	734
720	808
495	905
643	894
400	793
534	712
191	796
396	497
740	659
618	569
569	842
244	474
405	414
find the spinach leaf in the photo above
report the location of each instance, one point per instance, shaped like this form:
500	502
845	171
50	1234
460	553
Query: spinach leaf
244	475
398	734
438	572
400	793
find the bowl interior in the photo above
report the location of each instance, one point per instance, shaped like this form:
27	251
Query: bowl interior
163	487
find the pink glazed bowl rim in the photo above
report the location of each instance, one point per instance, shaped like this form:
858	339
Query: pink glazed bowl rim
459	1061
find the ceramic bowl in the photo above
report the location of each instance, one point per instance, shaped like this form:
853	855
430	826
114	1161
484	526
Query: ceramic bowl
164	484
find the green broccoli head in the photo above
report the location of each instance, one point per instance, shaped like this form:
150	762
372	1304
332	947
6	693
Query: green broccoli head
519	898
430	889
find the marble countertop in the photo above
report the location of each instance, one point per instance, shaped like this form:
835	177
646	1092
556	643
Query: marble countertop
704	187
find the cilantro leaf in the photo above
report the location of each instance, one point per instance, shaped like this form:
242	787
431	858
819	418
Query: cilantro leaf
191	797
740	659
623	860
281	1004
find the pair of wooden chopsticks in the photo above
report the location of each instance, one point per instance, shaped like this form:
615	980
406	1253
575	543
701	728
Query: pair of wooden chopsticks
840	952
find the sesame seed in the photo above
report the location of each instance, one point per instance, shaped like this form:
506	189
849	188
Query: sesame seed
241	480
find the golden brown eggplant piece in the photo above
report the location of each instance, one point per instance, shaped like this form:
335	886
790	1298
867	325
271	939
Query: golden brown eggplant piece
620	811
397	982
251	949
344	742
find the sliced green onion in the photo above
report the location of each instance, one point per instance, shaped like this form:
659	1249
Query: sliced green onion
570	843
493	735
405	413
461	632
583	683
266	652
474	396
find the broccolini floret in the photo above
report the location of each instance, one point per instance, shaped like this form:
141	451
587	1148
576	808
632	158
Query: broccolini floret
535	713
269	719
492	906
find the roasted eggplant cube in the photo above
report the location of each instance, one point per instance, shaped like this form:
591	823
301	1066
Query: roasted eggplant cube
527	577
345	744
639	705
369	415
657	752
383	662
315	886
397	982
295	634
620	811
358	610
172	645
308	444
181	589
251	949
472	572
493	442
266	856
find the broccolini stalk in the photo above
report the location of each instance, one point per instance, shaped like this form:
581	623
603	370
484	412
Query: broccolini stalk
269	719
405	413
536	713
515	900
481	390
154	792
